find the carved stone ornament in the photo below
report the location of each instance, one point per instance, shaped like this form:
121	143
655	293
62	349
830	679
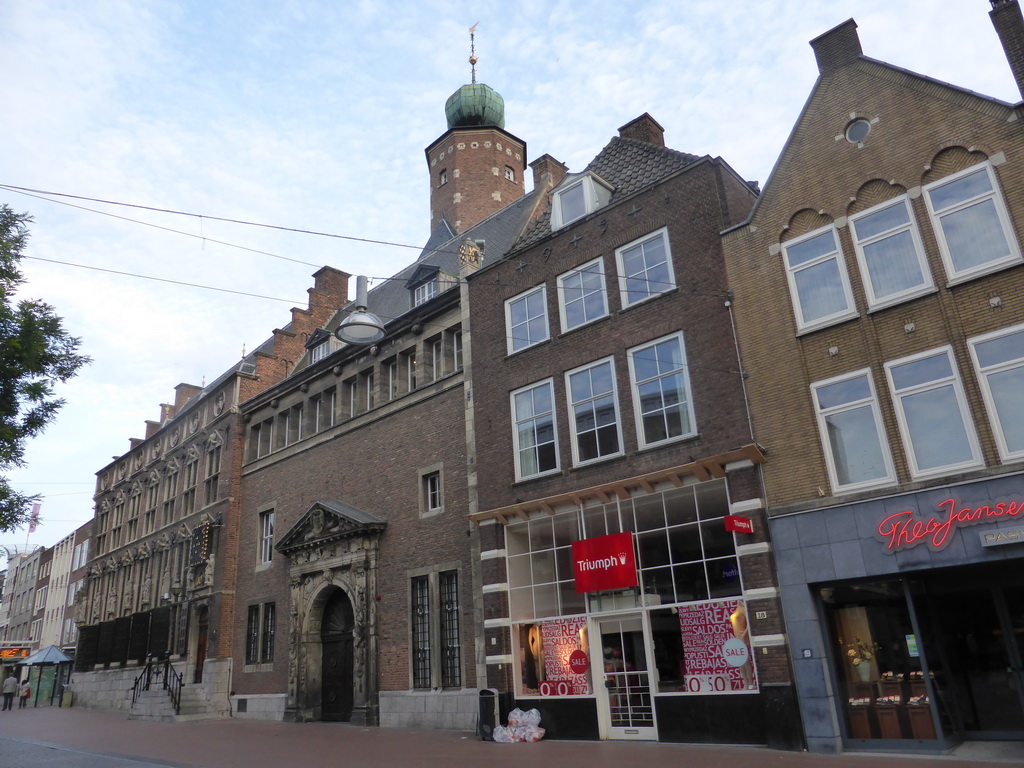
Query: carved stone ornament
176	437
218	404
323	524
193	424
137	460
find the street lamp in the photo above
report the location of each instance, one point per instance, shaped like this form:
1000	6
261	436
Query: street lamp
361	327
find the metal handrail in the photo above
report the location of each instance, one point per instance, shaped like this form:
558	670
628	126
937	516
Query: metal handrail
164	672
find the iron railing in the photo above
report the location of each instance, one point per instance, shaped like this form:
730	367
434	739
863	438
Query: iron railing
160	672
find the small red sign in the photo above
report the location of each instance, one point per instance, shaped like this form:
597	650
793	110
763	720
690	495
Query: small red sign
579	663
738	524
604	562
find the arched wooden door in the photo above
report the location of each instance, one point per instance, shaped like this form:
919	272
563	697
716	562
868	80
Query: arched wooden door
336	638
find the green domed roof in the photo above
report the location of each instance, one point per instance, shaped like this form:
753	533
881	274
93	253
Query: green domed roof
476	104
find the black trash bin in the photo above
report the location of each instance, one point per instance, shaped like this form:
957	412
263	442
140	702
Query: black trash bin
488	714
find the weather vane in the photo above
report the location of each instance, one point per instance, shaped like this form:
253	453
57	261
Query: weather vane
472	49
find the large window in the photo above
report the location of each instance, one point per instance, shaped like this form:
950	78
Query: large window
890	253
932	413
645	268
212	474
594	412
971	223
436	628
534	435
852	432
426	291
661	391
999	358
540	571
582	295
266	541
818	283
188	498
259	634
526	319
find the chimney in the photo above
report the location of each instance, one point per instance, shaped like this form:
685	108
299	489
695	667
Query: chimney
152	427
1006	18
548	172
837	48
183	393
644	128
167	411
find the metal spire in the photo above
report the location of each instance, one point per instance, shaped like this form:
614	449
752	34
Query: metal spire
472	49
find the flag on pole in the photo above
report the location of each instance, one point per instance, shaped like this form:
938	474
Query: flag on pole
34	518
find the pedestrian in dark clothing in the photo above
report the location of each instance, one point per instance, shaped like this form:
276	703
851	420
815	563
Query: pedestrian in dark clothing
10	688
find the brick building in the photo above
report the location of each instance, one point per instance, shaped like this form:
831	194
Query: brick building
161	576
613	453
878	300
356	586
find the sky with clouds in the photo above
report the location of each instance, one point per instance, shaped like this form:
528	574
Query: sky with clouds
314	115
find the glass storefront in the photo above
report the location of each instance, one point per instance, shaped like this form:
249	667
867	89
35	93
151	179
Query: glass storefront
682	630
933	657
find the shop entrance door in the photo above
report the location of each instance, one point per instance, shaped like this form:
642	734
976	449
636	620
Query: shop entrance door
983	645
628	706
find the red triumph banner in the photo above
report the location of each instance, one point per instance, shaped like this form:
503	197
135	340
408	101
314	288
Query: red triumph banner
903	530
604	562
738	524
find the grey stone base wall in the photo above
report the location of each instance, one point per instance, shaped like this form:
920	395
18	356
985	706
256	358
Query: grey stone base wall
432	710
112	688
259	706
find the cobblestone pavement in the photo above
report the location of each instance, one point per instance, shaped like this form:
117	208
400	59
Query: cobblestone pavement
81	738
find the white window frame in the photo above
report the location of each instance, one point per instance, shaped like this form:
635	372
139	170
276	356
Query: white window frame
925	286
683	370
576	274
426	291
576	460
590	202
516	421
518	336
433	493
983	372
319	352
457	350
995	195
952	380
265	550
824	413
437	358
845	313
654	291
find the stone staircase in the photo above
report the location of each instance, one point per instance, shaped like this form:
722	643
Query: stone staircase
196	704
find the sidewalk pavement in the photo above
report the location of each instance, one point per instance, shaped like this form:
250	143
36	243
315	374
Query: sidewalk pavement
83	738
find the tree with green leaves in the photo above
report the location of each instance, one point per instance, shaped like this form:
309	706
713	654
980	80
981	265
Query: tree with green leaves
35	354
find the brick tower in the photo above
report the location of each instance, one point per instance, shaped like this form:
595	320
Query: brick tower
476	167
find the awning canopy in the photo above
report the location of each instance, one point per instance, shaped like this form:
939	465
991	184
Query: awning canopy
51	655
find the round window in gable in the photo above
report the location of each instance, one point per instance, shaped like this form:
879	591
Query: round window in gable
857	130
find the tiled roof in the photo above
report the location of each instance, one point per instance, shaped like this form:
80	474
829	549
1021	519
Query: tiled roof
628	165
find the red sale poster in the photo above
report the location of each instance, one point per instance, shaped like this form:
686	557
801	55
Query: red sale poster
716	647
564	672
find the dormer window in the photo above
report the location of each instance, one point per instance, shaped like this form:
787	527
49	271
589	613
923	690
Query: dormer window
424	284
319	345
576	198
319	352
425	292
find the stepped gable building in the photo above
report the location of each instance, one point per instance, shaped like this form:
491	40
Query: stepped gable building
627	577
357	587
161	578
879	300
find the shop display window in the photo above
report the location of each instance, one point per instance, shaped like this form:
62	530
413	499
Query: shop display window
703	648
555	656
884	687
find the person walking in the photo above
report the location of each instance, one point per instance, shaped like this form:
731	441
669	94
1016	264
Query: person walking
10	688
24	691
